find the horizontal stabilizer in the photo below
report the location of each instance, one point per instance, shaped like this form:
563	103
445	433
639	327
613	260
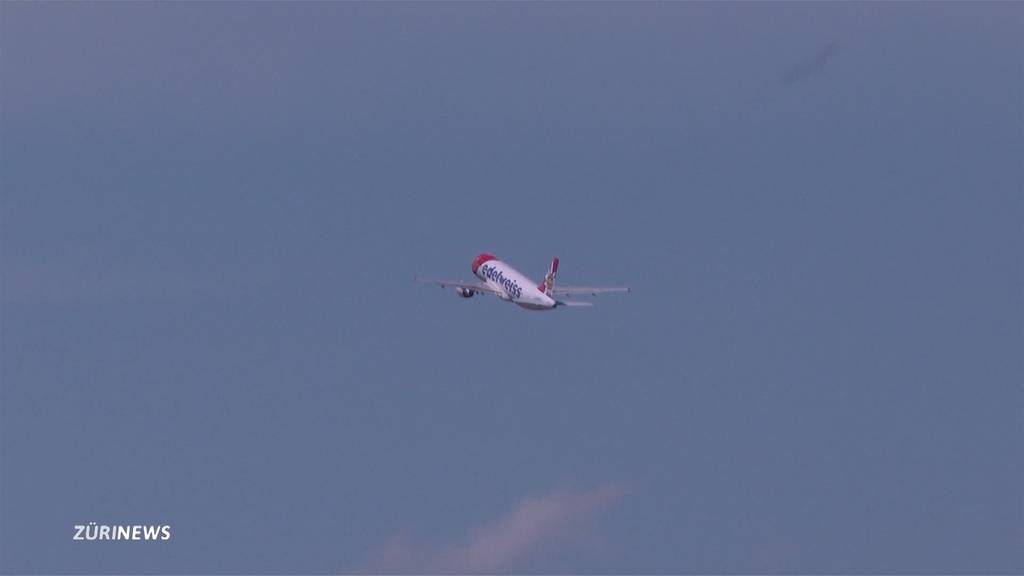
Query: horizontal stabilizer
574	303
590	290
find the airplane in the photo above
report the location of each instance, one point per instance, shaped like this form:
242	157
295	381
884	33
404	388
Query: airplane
508	284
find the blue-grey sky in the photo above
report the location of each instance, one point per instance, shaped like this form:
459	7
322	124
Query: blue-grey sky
212	213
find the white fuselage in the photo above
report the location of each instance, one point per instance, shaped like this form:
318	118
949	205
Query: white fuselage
511	285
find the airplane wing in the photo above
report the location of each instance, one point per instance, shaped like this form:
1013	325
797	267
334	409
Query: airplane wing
474	286
592	290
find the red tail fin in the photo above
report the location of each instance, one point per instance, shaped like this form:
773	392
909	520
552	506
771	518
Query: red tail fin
549	278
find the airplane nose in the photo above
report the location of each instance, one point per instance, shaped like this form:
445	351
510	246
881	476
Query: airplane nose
480	260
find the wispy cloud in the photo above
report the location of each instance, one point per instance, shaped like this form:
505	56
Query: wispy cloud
811	67
499	544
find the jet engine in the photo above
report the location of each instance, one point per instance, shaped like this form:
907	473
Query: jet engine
465	292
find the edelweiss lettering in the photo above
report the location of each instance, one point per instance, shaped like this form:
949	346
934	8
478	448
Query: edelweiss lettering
510	286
